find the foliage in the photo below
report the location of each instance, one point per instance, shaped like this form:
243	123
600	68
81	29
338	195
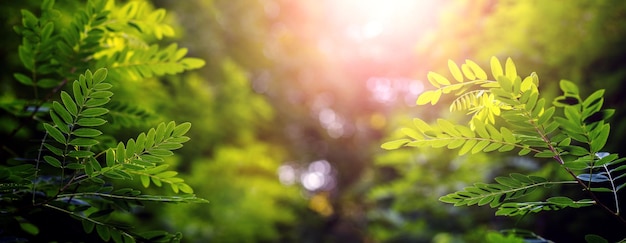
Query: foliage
77	167
508	113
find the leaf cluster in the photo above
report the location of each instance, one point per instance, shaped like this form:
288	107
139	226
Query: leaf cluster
507	113
76	169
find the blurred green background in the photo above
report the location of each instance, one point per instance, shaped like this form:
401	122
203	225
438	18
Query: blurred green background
289	113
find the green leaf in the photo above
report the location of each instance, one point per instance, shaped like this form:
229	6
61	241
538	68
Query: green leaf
120	153
93	112
23	79
88	226
54	133
103	232
62	112
507	135
84	142
561	200
87	132
599	140
192	63
80	154
594	98
130	148
52	161
78	93
469	144
99	75
101	94
69	103
185	188
96	102
29	228
110	157
480	146
160	133
576	150
160	152
545	117
76	166
90	122
167	174
102	86
145	180
591	238
569	88
448	127
545	154
181	129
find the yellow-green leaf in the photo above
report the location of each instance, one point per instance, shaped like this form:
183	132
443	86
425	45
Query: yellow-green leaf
145	180
436	79
510	70
479	72
468	72
496	67
425	97
467	147
456	72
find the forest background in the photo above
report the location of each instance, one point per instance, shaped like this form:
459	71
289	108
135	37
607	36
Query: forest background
296	98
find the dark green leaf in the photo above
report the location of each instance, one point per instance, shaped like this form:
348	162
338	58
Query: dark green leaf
54	133
93	112
86	132
103	232
52	161
69	103
88	226
29	228
84	142
80	153
23	79
53	149
62	112
59	123
591	238
576	150
75	166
